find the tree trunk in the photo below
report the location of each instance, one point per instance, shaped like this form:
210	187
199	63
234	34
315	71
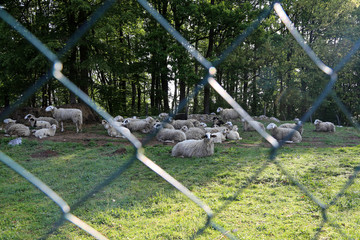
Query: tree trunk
133	96
122	96
245	92
208	55
139	98
72	73
254	104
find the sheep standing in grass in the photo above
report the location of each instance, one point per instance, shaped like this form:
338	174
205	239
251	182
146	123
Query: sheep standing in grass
282	133
45	132
248	127
321	126
112	132
62	114
47	119
193	133
194	148
39	124
228	114
293	126
16	129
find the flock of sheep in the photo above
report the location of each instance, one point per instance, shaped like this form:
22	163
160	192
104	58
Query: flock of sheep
194	138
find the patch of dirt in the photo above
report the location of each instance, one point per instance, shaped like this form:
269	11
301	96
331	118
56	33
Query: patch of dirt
44	154
94	134
119	151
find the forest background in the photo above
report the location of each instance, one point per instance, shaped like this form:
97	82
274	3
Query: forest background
130	65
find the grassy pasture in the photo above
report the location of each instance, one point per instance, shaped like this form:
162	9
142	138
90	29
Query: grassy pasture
253	198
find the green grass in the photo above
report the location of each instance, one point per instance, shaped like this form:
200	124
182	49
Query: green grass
252	197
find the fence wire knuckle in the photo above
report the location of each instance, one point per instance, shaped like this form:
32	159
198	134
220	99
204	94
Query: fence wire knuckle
210	78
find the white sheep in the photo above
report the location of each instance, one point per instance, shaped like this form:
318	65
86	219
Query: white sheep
39	123
159	125
170	135
194	148
112	132
45	132
62	114
212	129
139	125
16	129
293	125
282	133
220	136
178	124
195	122
119	118
248	127
233	134
163	116
321	126
193	133
47	119
228	114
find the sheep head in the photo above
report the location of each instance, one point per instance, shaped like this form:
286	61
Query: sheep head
49	108
28	116
271	126
184	128
9	120
317	121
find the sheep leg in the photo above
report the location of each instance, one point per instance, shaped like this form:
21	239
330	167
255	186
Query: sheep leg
62	126
77	127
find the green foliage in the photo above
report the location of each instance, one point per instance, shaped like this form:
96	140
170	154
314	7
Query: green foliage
127	61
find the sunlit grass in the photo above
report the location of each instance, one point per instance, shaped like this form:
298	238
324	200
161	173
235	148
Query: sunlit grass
252	196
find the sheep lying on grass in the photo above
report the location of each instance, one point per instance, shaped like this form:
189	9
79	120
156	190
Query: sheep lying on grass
248	127
228	114
62	114
159	125
193	133
194	148
293	126
321	126
47	119
112	132
139	125
217	121
169	135
178	124
118	118
163	116
16	129
233	134
45	132
39	124
195	122
282	133
220	136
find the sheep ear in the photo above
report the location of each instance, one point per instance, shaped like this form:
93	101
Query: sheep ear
213	136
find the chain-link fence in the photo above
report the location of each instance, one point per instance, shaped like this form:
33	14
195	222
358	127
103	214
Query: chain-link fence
210	78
